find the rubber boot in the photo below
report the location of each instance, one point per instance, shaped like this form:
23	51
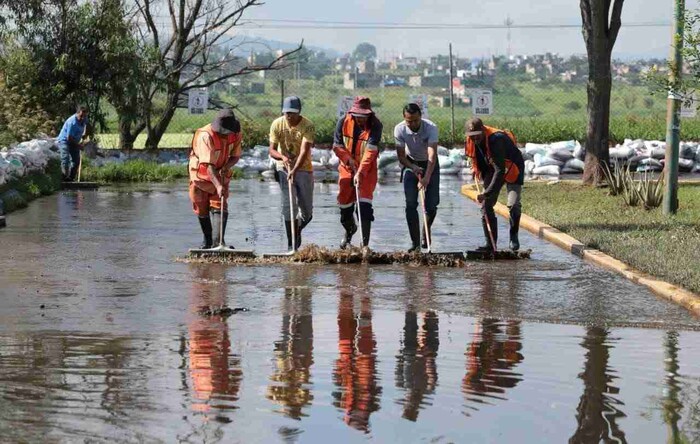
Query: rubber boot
494	231
413	231
215	221
205	224
347	220
424	241
367	217
297	233
288	229
366	230
515	213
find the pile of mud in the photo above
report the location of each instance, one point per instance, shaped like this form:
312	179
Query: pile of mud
313	254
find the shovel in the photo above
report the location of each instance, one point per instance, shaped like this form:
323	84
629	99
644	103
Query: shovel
291	222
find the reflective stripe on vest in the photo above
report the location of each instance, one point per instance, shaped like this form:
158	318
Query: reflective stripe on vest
349	141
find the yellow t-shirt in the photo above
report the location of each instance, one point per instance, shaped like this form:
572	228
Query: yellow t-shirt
289	139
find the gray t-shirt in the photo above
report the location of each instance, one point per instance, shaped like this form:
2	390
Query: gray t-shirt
416	143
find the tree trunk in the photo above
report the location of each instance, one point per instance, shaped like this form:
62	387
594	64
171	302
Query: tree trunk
600	29
155	133
597	135
126	137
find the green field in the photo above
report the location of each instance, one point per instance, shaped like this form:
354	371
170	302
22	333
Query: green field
536	112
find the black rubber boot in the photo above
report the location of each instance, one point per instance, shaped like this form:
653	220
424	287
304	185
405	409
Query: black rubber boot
297	234
424	241
215	221
413	230
515	213
347	220
367	217
288	228
494	231
205	224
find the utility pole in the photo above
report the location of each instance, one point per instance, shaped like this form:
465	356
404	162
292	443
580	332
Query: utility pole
508	22
452	99
673	122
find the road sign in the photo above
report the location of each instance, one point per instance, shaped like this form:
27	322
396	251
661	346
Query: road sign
198	101
689	108
422	101
344	105
482	102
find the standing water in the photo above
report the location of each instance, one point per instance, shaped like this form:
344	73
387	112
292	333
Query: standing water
101	339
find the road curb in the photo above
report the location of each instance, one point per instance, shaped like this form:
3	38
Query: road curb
685	298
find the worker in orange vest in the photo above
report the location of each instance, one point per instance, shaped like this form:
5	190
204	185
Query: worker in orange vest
496	160
216	148
356	143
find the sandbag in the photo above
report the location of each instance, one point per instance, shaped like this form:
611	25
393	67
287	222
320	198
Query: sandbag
386	158
573	166
688	150
442	151
536	148
579	152
562	154
567	145
543	160
529	166
685	165
548	170
621	152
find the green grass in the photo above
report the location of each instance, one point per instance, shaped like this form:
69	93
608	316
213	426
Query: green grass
17	193
137	171
665	247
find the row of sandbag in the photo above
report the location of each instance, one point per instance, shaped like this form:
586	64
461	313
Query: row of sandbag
25	158
648	155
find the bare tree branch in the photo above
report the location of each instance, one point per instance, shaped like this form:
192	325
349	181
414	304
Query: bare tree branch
615	22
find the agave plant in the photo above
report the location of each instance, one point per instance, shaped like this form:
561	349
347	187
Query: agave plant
615	178
651	192
630	189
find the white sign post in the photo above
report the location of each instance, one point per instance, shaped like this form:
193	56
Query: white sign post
422	101
689	109
482	102
344	105
198	101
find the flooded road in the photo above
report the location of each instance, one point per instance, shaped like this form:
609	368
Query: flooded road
100	339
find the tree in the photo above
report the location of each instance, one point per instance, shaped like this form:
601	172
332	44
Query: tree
185	44
364	51
600	29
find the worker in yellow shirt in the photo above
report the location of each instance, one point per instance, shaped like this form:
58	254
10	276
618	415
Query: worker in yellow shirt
291	139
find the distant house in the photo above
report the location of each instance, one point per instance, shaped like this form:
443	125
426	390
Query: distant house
361	80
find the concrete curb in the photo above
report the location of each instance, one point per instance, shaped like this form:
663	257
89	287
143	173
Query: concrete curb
685	298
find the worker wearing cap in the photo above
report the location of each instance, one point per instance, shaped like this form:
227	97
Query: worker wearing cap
291	139
216	148
356	143
418	137
496	160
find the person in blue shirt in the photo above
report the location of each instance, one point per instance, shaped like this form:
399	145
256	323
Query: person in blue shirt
69	146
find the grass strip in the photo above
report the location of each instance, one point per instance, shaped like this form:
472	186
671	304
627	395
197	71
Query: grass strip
665	247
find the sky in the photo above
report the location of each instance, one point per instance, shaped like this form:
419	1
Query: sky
632	41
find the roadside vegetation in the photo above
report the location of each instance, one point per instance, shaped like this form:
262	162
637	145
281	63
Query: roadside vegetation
665	247
17	193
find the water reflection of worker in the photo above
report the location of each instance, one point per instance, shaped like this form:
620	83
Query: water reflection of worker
416	367
215	373
294	350
598	411
491	357
216	148
355	372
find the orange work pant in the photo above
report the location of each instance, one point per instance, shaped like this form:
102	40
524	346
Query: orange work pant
203	202
346	194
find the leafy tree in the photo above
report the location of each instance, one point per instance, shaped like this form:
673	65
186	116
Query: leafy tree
186	44
364	51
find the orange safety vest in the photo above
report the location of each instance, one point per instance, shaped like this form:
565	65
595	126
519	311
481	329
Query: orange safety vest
349	141
512	171
219	156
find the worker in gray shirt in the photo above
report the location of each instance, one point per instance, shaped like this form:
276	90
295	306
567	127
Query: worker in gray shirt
419	137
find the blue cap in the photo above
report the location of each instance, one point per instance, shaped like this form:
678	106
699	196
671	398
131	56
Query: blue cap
291	104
